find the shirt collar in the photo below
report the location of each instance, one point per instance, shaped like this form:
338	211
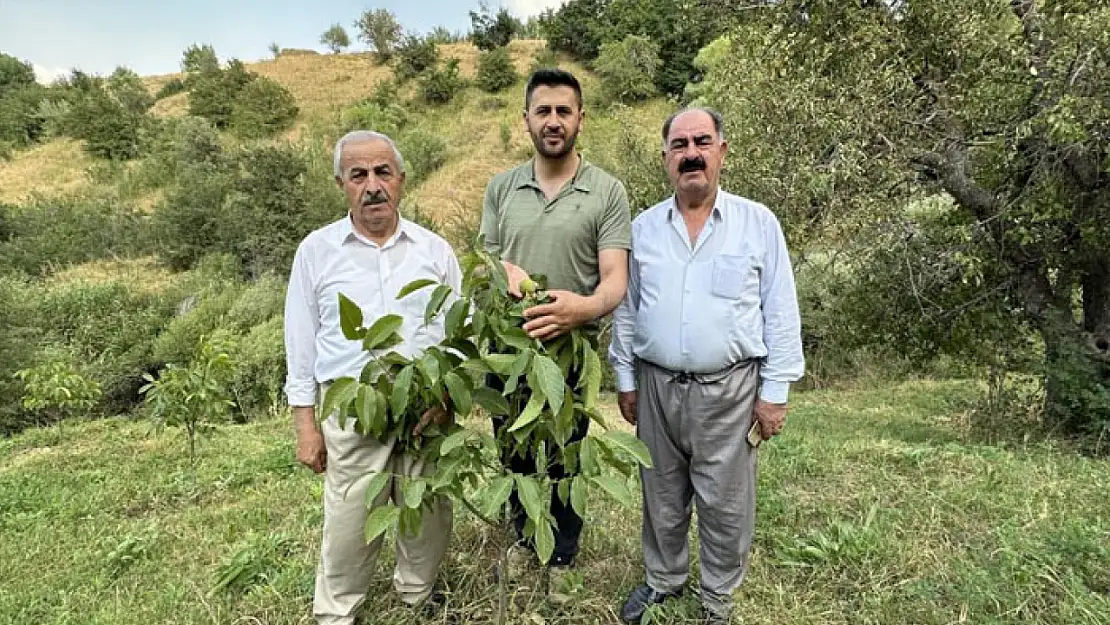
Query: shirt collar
718	206
529	179
405	229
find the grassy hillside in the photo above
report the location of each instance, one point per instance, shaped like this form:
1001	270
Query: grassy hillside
873	509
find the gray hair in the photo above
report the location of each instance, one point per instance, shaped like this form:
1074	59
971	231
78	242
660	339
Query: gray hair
356	136
718	121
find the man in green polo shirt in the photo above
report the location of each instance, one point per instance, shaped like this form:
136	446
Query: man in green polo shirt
558	216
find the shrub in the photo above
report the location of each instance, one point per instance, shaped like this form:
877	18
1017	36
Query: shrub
19	124
259	302
107	127
259	358
489	31
424	153
54	116
441	35
170	89
262	108
496	70
15	74
199	58
627	69
214	91
415	55
369	115
57	388
18	339
544	58
200	315
51	233
439	86
335	38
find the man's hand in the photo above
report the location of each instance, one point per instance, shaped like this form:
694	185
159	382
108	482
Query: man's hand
771	417
311	450
565	312
516	275
627	403
437	415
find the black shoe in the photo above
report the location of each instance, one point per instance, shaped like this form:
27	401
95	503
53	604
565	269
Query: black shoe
713	618
434	607
640	599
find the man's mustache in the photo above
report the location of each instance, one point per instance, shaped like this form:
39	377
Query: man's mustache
691	164
374	199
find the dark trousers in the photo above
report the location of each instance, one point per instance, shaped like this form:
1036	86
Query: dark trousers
568	525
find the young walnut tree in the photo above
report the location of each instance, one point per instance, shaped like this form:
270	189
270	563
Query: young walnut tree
548	387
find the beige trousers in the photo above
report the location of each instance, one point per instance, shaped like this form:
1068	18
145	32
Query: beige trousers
346	561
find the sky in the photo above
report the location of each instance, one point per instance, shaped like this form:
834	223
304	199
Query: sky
96	36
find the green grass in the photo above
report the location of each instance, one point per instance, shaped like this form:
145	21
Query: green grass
873	508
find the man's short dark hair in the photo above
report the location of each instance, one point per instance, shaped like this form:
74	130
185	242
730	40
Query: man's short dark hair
551	77
718	122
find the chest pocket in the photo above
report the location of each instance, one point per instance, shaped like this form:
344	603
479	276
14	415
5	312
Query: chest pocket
734	277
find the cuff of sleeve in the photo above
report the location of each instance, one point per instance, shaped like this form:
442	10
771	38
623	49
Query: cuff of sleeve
301	396
626	380
774	392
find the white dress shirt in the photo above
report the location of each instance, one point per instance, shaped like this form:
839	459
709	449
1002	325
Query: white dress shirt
701	306
335	259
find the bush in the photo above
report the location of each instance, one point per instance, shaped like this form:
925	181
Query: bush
58	388
335	38
52	233
15	74
54	116
441	35
108	128
263	108
577	28
369	115
109	326
415	55
424	153
171	88
439	86
18	339
627	69
19	123
213	91
544	58
489	31
496	70
260	367
259	302
199	315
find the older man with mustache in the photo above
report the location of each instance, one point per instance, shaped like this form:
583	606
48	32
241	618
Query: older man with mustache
705	343
368	256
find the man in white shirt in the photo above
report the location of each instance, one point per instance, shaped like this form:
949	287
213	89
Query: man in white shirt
705	343
368	256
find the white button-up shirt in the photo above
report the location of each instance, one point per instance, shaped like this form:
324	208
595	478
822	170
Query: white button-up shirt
700	306
335	259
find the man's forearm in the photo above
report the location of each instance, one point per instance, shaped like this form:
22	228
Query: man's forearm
304	418
607	296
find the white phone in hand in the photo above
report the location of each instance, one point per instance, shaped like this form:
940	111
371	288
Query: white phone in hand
755	434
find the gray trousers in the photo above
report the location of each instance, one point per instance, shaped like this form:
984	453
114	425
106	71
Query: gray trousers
696	427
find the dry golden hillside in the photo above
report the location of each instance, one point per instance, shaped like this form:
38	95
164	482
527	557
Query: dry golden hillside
55	168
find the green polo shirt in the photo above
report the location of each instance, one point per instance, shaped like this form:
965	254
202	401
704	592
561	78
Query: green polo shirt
560	238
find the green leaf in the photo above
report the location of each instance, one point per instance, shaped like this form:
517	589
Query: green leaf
477	366
381	405
454	441
545	541
375	487
519	367
414	286
587	456
414	492
459	389
409	522
531	411
616	489
578	495
435	304
379	334
516	337
350	318
366	407
379	520
401	387
464	347
338	396
494	495
501	364
528	489
491	401
630	444
456	316
564	491
550	379
591	376
429	367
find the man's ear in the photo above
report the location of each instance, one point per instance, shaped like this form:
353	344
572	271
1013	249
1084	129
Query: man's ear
724	148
